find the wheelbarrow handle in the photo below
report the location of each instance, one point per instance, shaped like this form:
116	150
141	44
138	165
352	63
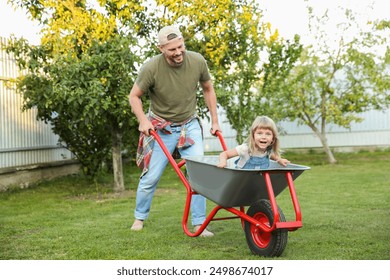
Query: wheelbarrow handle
221	139
152	132
176	166
161	143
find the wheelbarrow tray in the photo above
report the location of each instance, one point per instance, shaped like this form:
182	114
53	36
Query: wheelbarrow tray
232	187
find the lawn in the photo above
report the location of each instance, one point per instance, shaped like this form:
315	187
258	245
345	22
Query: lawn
345	209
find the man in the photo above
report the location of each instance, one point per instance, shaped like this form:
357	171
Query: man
171	79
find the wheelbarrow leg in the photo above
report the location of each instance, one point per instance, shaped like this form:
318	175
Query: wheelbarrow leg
271	197
290	225
294	198
209	218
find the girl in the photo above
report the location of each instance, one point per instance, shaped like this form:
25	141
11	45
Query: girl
262	144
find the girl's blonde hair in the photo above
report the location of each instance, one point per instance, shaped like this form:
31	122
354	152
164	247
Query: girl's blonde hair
267	123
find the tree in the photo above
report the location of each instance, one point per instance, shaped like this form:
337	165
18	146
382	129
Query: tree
242	102
81	74
332	86
233	38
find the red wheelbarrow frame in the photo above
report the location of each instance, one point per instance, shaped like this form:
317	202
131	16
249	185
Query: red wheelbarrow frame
277	224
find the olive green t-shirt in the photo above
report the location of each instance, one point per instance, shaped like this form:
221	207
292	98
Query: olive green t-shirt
172	90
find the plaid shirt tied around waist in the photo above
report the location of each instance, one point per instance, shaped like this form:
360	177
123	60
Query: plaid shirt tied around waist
146	143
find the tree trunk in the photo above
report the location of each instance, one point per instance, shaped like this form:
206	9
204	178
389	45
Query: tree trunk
327	149
119	185
322	135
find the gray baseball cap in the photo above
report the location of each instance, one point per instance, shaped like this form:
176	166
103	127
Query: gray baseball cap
168	33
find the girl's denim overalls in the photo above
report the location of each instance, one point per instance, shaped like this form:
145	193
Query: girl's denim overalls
255	162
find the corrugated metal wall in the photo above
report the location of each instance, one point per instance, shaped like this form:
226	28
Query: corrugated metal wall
374	131
23	139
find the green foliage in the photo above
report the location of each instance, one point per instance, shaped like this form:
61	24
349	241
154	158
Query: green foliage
92	94
84	98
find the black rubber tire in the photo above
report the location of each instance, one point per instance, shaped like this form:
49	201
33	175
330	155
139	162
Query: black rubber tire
262	243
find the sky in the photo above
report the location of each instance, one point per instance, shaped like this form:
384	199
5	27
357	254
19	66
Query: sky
289	16
17	23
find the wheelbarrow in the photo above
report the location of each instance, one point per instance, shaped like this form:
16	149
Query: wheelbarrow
232	189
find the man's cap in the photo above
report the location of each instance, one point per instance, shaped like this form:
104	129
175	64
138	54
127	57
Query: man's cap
168	33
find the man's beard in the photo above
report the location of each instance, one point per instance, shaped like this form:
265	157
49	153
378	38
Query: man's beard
175	62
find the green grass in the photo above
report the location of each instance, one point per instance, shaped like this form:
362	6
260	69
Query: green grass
345	210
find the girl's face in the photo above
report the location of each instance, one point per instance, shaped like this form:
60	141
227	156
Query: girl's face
263	138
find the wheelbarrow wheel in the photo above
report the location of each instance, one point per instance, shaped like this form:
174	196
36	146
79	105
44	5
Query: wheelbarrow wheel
268	244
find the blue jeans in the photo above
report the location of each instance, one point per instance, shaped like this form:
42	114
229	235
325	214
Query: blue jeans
148	183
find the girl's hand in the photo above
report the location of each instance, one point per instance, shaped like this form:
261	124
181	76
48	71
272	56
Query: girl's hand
223	157
283	161
222	164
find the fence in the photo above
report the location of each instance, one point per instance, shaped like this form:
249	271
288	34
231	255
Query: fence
23	139
372	132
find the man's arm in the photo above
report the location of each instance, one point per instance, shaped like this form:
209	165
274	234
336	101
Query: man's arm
211	102
136	105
